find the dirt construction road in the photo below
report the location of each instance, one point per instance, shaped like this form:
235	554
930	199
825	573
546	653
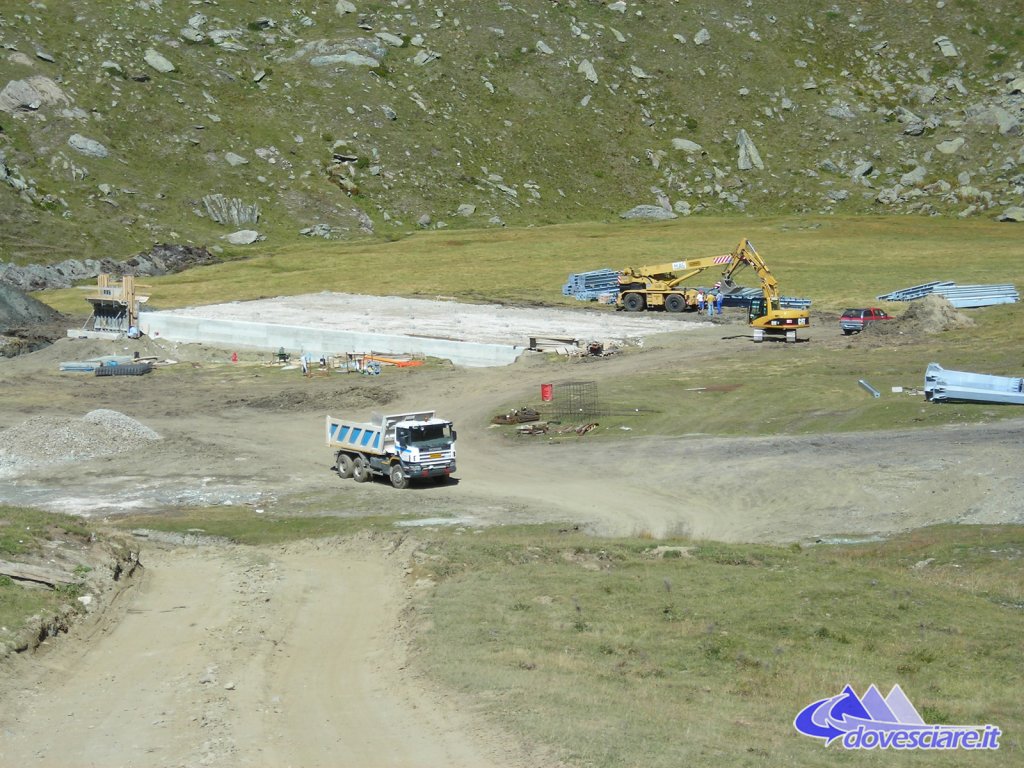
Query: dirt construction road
230	657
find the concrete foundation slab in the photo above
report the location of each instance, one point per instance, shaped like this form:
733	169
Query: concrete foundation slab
473	335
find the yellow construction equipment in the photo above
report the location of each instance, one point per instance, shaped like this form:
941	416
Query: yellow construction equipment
659	286
765	313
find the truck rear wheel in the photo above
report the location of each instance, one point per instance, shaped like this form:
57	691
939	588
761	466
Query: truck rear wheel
398	477
344	466
633	302
360	470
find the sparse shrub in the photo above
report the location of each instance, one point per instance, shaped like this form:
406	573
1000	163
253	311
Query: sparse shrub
824	633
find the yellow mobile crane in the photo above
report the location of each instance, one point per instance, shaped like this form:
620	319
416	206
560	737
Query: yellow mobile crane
764	314
657	286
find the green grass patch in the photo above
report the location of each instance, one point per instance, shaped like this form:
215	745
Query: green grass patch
25	533
800	389
614	656
836	262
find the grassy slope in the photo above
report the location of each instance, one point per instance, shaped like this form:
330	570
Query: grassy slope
618	652
616	658
836	261
567	162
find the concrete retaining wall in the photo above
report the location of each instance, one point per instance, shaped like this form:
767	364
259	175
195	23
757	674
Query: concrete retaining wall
236	334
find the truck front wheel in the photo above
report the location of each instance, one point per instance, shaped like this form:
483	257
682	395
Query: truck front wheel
344	466
398	477
360	470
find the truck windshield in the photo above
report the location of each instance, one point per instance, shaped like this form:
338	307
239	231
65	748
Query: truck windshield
426	436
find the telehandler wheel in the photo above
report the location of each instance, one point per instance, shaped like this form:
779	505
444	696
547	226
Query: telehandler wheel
398	477
344	466
675	303
633	302
360	470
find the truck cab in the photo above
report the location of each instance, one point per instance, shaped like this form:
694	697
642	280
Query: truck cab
423	446
402	447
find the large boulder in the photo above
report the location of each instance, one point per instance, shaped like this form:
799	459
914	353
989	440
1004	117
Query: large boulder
648	212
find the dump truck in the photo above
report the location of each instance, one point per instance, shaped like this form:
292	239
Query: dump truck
402	447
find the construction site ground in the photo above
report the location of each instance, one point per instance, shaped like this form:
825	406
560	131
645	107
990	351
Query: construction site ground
224	655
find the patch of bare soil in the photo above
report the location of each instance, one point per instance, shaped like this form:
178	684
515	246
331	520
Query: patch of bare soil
351	398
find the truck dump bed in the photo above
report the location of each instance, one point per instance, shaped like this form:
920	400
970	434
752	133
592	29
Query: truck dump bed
368	437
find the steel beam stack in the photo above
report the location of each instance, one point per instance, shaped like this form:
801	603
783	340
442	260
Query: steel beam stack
960	296
592	286
941	385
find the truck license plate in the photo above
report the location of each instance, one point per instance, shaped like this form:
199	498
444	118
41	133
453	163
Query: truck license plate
435	455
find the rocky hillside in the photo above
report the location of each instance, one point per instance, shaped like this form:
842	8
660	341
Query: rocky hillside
124	123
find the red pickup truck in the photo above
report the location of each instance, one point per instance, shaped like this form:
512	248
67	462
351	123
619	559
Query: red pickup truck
854	320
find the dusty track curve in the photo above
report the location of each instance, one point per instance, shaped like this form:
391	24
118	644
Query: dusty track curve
232	657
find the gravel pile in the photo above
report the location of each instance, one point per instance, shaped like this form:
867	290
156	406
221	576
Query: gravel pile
53	440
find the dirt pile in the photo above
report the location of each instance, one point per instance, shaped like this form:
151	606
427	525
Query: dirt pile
932	314
53	439
19	311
